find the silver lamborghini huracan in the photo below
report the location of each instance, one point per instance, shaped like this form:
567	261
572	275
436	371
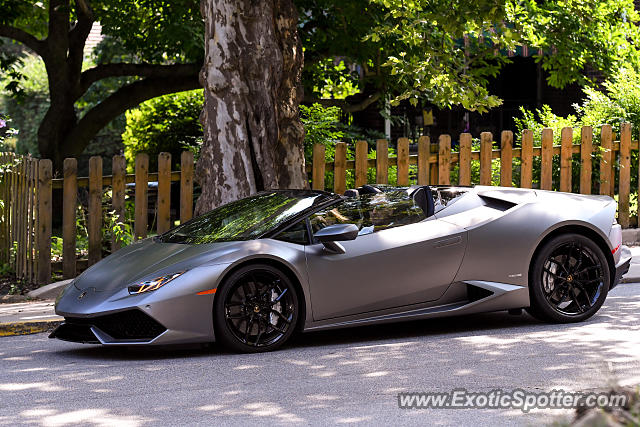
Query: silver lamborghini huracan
250	273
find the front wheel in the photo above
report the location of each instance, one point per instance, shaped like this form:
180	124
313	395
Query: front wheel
256	309
569	280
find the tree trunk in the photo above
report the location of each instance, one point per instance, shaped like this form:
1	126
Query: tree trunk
252	131
61	116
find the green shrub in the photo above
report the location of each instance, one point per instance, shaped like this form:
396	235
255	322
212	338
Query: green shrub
7	134
169	123
616	103
28	109
323	125
29	104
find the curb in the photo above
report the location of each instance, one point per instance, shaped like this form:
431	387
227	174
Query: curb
50	291
28	327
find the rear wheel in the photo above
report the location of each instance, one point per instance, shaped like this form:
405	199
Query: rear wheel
569	280
256	309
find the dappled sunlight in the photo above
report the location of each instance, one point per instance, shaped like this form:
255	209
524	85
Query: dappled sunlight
261	412
46	387
95	417
244	367
352	420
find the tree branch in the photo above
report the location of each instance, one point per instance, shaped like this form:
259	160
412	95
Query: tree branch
58	37
23	37
78	37
343	104
120	101
103	71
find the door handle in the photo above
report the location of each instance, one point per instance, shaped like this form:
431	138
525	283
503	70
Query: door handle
448	242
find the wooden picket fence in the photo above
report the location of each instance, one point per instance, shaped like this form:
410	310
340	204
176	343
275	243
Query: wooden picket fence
26	216
26	185
19	206
434	162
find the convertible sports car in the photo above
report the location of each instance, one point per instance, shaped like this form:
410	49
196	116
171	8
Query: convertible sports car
252	272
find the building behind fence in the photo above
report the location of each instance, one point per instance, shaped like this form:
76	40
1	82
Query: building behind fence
26	185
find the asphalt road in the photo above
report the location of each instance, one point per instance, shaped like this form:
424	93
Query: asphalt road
341	377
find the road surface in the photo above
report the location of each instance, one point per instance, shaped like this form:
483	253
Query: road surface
346	377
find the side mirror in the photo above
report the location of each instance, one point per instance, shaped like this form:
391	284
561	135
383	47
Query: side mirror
331	234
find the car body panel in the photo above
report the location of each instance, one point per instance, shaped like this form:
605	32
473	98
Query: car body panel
367	275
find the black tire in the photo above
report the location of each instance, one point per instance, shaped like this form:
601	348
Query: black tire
255	309
569	280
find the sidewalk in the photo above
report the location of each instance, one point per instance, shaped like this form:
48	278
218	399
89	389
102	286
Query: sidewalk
27	318
633	275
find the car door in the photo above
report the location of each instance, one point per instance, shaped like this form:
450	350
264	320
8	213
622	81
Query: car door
401	264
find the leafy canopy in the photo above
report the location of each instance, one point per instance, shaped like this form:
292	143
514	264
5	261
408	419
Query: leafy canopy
167	123
445	51
141	31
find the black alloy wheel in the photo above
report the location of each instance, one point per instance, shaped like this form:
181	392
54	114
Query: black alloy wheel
256	309
569	280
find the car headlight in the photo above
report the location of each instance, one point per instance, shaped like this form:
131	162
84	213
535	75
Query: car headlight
152	285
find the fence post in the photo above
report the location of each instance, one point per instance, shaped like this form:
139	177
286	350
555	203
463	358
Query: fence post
382	161
318	166
20	251
464	160
339	168
186	186
566	159
44	221
506	158
13	189
546	164
164	192
403	161
424	144
118	168
586	151
142	182
4	239
361	163
95	210
69	197
624	184
526	159
433	170
33	229
486	156
444	160
607	157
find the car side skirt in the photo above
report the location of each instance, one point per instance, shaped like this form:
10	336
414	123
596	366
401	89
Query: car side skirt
458	300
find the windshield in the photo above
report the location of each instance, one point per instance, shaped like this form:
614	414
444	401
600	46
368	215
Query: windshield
244	219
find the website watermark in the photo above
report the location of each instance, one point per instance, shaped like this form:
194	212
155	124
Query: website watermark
512	399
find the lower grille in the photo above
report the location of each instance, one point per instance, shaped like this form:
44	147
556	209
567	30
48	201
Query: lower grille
125	325
74	333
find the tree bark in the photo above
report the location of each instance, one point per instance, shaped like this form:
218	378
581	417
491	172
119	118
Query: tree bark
252	79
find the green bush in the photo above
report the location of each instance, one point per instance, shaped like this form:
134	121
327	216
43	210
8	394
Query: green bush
28	109
169	123
616	103
7	134
323	125
28	106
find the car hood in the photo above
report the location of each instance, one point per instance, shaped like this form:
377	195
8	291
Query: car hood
147	259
